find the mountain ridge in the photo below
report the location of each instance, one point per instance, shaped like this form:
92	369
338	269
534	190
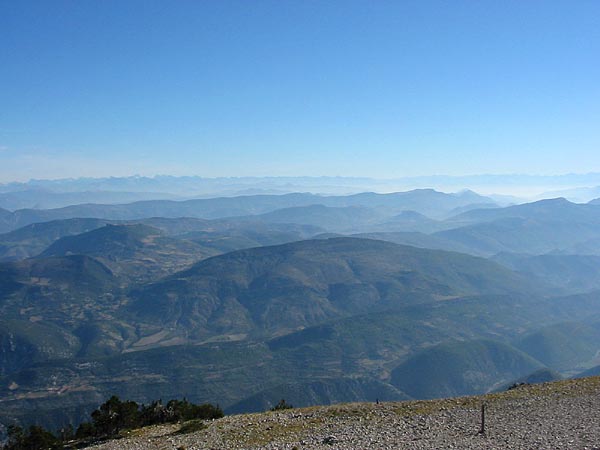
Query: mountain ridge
427	201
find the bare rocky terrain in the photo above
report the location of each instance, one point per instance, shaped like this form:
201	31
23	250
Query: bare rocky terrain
558	415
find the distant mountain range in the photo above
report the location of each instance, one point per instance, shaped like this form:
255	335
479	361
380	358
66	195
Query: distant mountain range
46	199
417	294
428	202
57	193
577	194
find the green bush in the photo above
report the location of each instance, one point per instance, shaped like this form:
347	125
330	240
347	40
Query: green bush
35	438
112	417
191	426
281	405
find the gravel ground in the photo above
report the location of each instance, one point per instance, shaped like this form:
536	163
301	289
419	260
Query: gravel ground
560	415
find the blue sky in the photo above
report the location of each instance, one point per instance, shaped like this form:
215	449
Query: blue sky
356	88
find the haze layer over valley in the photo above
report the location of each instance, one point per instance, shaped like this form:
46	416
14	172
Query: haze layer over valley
504	189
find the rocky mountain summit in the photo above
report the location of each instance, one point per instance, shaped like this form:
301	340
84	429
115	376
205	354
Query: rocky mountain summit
558	415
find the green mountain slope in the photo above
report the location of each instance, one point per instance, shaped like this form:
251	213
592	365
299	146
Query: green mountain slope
55	289
23	343
556	209
275	290
522	235
326	217
229	235
214	236
573	273
6	221
408	221
461	368
331	317
417	239
535	228
43	302
33	239
135	252
544	375
584	247
593	372
366	347
564	346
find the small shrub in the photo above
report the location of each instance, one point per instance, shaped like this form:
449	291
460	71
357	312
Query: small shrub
281	405
191	426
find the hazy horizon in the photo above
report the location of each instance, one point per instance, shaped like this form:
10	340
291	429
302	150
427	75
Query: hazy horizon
504	188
